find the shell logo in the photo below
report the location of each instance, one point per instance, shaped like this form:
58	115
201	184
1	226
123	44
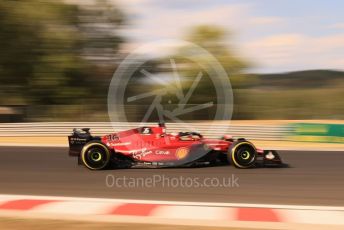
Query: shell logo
181	153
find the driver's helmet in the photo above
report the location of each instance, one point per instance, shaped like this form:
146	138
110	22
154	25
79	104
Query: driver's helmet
162	126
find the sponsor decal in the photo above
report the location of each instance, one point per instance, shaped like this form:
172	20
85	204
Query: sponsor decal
181	153
146	130
138	154
121	144
317	132
162	152
76	140
145	163
112	137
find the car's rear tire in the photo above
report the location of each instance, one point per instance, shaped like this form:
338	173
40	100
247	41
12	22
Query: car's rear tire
95	155
242	154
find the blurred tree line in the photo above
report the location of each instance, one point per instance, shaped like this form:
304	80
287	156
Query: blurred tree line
53	53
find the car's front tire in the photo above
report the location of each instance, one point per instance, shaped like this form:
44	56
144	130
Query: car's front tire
242	154
95	155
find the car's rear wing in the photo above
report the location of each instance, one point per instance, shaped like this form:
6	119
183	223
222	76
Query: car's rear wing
78	139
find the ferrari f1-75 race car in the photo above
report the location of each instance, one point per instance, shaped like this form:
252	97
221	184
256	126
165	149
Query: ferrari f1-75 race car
152	147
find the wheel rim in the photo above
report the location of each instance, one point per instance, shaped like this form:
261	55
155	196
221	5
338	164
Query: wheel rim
96	157
244	156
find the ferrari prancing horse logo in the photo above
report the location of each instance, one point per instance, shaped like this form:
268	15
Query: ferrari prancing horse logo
181	153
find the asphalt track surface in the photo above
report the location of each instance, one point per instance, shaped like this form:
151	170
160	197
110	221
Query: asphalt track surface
314	178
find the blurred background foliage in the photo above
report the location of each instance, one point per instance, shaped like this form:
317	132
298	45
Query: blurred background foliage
57	59
53	53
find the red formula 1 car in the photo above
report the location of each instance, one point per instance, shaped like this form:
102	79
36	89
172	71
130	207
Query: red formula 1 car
152	147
